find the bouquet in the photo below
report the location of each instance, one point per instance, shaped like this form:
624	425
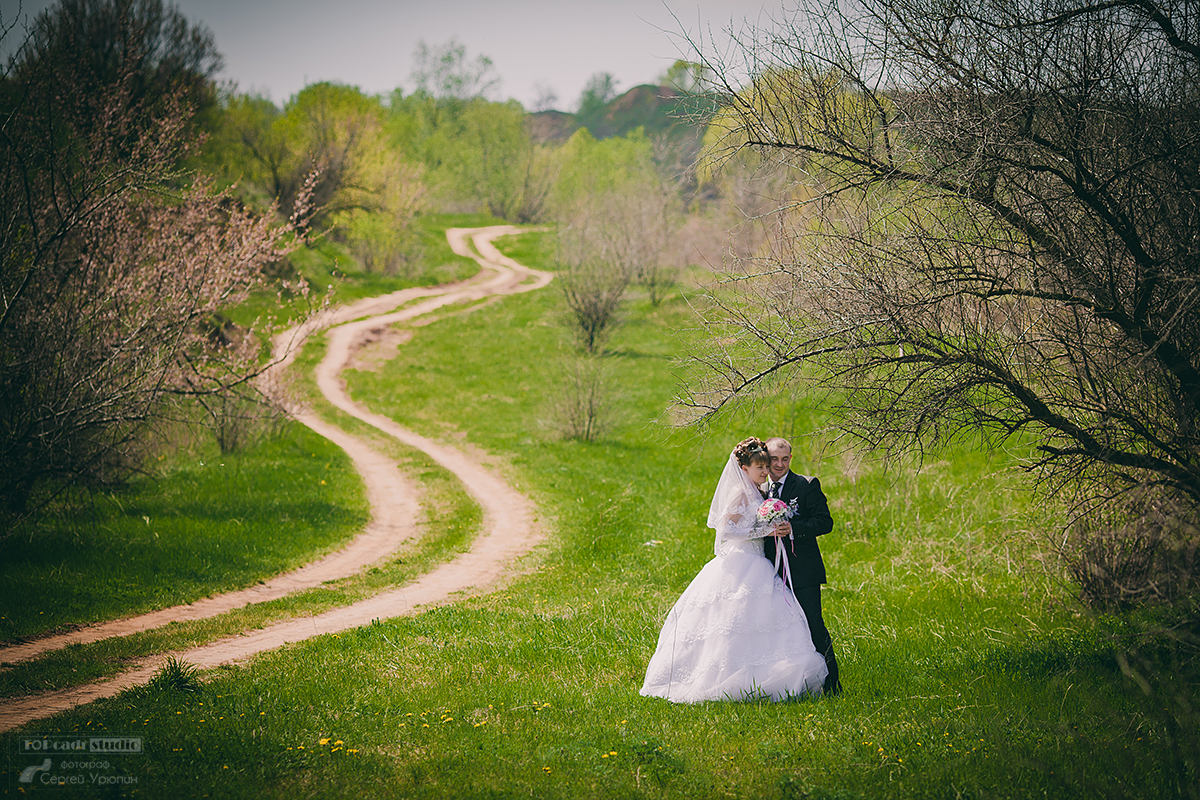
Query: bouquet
771	511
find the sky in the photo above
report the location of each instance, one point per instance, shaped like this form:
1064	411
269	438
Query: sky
276	47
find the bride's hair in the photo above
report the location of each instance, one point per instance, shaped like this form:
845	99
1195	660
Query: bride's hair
751	451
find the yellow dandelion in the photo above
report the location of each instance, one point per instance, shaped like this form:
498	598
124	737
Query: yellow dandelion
545	769
323	741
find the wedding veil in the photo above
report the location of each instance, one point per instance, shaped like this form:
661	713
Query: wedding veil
734	504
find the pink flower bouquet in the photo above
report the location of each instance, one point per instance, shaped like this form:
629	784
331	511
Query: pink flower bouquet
771	511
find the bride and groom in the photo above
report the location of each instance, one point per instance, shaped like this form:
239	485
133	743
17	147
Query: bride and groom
749	624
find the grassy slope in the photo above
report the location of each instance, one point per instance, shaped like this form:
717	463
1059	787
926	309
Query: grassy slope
967	674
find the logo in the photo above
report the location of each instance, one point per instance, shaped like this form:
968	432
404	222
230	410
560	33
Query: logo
115	745
54	762
28	773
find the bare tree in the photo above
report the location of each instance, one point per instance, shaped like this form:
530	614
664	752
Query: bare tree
443	72
592	282
635	225
582	402
994	231
546	99
113	264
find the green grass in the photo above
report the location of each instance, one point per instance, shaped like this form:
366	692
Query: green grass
205	523
536	249
969	670
334	274
451	521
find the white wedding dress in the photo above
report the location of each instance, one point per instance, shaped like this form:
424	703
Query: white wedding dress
737	631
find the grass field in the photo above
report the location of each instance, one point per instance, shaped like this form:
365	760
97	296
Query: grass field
969	669
205	522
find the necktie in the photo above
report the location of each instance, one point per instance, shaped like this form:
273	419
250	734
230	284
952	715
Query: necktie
775	488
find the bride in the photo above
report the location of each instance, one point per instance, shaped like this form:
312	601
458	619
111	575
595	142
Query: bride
737	631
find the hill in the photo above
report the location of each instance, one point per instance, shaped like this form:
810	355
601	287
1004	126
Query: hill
662	111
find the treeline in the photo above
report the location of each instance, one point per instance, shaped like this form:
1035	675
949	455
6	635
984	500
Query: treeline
379	161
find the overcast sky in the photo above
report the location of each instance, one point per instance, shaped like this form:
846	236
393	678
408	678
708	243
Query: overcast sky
276	47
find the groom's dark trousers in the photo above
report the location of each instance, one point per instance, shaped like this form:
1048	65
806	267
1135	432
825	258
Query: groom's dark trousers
812	519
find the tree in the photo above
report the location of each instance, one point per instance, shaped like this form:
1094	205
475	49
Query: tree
486	159
592	283
247	147
113	263
599	89
478	153
151	47
547	98
687	77
367	192
444	73
610	193
996	235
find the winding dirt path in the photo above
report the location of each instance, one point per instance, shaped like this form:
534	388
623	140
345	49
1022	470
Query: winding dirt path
510	526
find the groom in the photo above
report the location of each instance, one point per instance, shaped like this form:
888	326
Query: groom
810	520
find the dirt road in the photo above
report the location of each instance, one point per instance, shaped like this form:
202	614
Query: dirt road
510	525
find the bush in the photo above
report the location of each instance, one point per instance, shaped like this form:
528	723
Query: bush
1141	550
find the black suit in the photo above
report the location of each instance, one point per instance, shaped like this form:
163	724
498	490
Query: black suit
811	520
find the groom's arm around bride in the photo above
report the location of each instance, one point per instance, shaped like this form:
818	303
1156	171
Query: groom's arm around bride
811	519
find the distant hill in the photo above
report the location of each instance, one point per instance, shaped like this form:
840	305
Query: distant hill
660	110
